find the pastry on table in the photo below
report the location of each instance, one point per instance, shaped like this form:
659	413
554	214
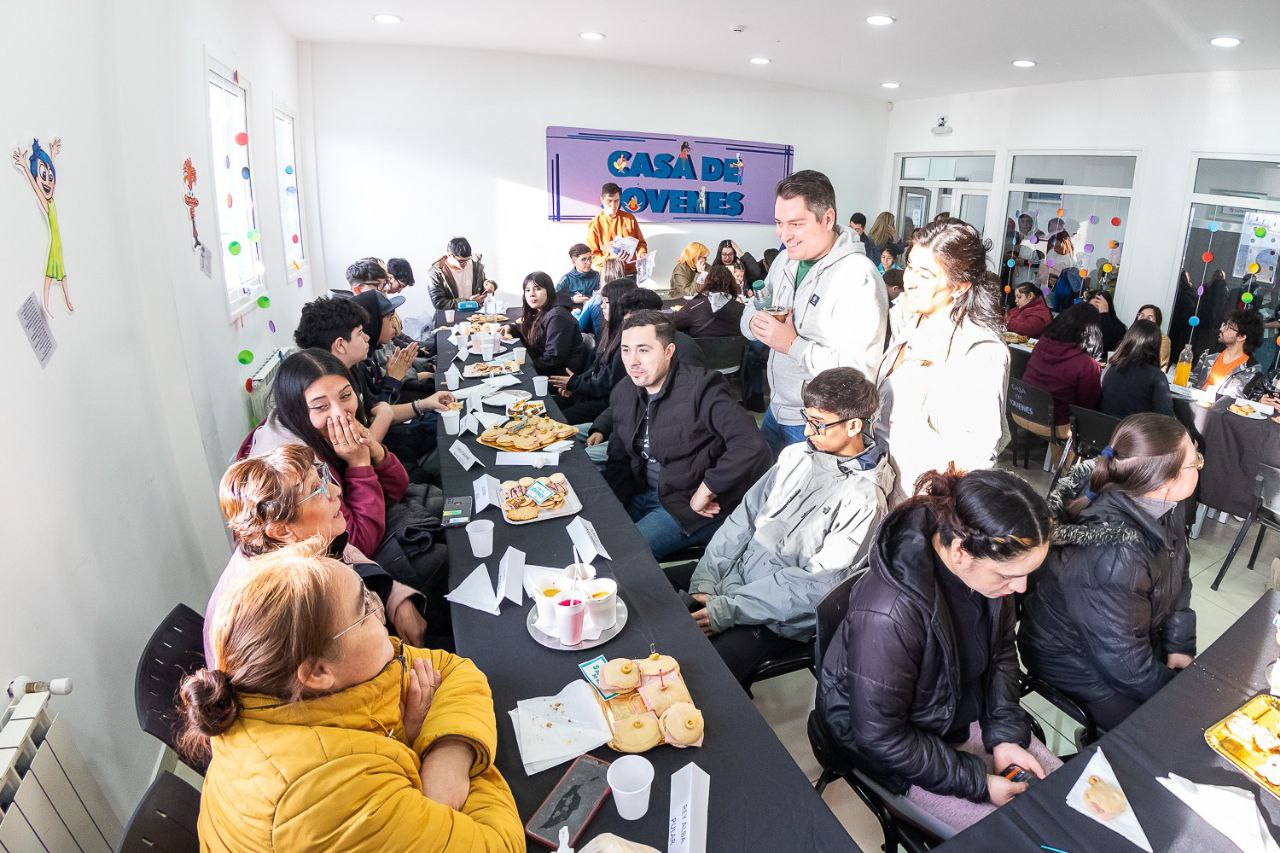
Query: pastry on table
1269	769
658	696
682	724
637	734
656	665
620	675
1105	800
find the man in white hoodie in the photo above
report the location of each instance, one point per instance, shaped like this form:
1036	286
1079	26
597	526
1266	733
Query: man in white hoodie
836	300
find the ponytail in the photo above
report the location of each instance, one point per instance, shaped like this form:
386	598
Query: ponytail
207	701
1145	453
994	514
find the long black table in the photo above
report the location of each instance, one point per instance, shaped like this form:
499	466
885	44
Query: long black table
759	797
1165	735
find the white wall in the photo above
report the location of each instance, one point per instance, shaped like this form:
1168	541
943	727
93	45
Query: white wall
416	145
115	448
1165	119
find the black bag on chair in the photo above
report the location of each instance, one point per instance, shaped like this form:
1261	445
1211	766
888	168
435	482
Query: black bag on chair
413	551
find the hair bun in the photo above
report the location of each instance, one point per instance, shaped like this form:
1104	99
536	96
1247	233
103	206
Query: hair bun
209	701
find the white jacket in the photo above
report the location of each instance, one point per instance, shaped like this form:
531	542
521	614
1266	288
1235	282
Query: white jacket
800	530
839	313
944	402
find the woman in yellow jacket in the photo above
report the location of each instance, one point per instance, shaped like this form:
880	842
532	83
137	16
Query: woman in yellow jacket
326	733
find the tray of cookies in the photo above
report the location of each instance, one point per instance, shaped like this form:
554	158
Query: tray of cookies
531	499
1249	738
652	705
526	434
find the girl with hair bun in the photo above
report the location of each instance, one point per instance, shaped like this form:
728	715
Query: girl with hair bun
318	724
942	380
920	685
1109	620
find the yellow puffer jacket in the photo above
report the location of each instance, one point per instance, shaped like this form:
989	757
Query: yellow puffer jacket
336	773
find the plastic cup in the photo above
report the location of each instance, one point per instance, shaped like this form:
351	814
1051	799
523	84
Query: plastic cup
601	598
480	533
630	778
451	381
570	615
452	421
518	354
548	592
449	314
486	347
540	386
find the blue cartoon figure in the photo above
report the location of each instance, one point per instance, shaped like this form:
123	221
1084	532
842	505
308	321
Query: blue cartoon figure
37	167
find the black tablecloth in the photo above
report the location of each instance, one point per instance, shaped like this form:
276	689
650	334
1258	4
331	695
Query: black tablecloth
759	798
1165	735
1234	445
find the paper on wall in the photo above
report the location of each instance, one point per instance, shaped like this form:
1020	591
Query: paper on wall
34	322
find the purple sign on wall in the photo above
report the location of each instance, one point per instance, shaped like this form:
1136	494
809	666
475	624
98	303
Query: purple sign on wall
664	178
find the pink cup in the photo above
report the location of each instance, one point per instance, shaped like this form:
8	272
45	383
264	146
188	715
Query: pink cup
570	615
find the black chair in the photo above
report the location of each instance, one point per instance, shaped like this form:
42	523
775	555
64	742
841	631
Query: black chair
726	355
898	830
165	820
1034	405
175	650
1064	703
794	658
1018	359
1090	432
1265	511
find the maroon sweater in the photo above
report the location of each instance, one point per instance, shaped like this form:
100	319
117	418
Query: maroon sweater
1068	373
1030	319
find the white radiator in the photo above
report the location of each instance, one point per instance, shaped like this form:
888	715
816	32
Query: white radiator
49	800
260	385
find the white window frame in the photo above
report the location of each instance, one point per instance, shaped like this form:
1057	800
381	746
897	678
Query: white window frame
246	300
304	265
989	187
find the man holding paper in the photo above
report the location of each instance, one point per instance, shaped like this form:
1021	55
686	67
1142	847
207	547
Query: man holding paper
611	223
683	451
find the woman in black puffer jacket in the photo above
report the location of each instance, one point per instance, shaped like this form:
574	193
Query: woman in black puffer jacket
1108	620
920	687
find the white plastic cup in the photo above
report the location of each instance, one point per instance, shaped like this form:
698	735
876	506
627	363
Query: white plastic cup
452	421
464	341
547	602
601	598
486	347
570	615
451	381
630	778
480	533
449	315
540	386
518	354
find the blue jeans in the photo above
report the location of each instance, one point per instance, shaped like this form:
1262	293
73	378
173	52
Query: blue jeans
777	435
661	530
597	453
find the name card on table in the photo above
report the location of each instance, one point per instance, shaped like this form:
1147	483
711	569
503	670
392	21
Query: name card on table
533	459
485	489
471	424
511	575
489	419
461	354
464	455
586	540
687	827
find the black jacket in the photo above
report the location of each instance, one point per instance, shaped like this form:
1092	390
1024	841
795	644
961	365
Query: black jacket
1112	600
687	352
698	433
890	679
1139	388
599	377
698	320
1113	329
559	343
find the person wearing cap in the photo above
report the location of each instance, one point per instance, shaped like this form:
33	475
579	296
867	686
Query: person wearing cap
458	276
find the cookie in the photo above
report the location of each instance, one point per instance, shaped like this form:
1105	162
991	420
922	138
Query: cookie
522	513
620	675
637	734
682	724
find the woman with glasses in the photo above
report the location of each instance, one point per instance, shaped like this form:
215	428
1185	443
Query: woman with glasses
1108	620
325	732
285	497
942	380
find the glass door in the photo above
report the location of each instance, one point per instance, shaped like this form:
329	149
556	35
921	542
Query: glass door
913	208
973	209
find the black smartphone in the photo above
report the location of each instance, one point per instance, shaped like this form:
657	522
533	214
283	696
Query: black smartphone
573	803
1014	773
457	511
693	604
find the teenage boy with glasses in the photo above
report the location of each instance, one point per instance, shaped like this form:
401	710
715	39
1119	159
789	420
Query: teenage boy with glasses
800	530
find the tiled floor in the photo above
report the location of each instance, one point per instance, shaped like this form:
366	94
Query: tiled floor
785	702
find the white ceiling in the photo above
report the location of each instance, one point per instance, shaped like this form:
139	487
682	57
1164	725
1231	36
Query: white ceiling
937	47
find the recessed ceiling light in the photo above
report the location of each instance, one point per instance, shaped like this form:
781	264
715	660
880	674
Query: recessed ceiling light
888	84
1024	63
1225	41
760	60
591	36
387	19
880	20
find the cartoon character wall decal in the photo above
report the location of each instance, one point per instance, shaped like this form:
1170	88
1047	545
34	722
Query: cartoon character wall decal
37	166
190	200
685	150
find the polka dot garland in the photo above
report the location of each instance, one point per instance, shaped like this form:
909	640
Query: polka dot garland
1259	231
242	138
1254	268
245	356
233	247
1115	220
1193	322
1011	263
1107	267
1207	257
264	301
1246	297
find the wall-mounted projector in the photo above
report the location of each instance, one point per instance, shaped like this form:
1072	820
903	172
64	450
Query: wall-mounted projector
941	128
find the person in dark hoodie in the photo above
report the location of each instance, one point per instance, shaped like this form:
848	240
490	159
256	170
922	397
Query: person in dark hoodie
1030	313
1108	620
579	283
586	394
1065	363
547	330
920	685
683	451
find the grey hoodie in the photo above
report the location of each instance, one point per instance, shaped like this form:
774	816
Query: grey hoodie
840	313
800	530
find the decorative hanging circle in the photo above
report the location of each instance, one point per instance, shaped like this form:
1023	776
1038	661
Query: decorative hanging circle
1088	248
248	385
1093	220
1049	262
242	138
233	247
1107	268
271	325
1213	227
254	235
1207	257
245	356
299	281
1059	211
1259	231
1246	297
229	199
1084	272
295	238
1255	268
244	173
1200	290
1008	289
264	301
1011	263
1194	321
1113	244
288	170
1115	220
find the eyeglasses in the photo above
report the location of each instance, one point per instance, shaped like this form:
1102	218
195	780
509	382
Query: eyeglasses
372	605
821	428
326	480
1198	464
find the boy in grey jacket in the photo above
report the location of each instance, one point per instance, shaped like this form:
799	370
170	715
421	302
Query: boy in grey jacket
801	529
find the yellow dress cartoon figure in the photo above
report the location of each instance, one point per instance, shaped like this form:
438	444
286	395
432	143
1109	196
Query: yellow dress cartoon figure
37	167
